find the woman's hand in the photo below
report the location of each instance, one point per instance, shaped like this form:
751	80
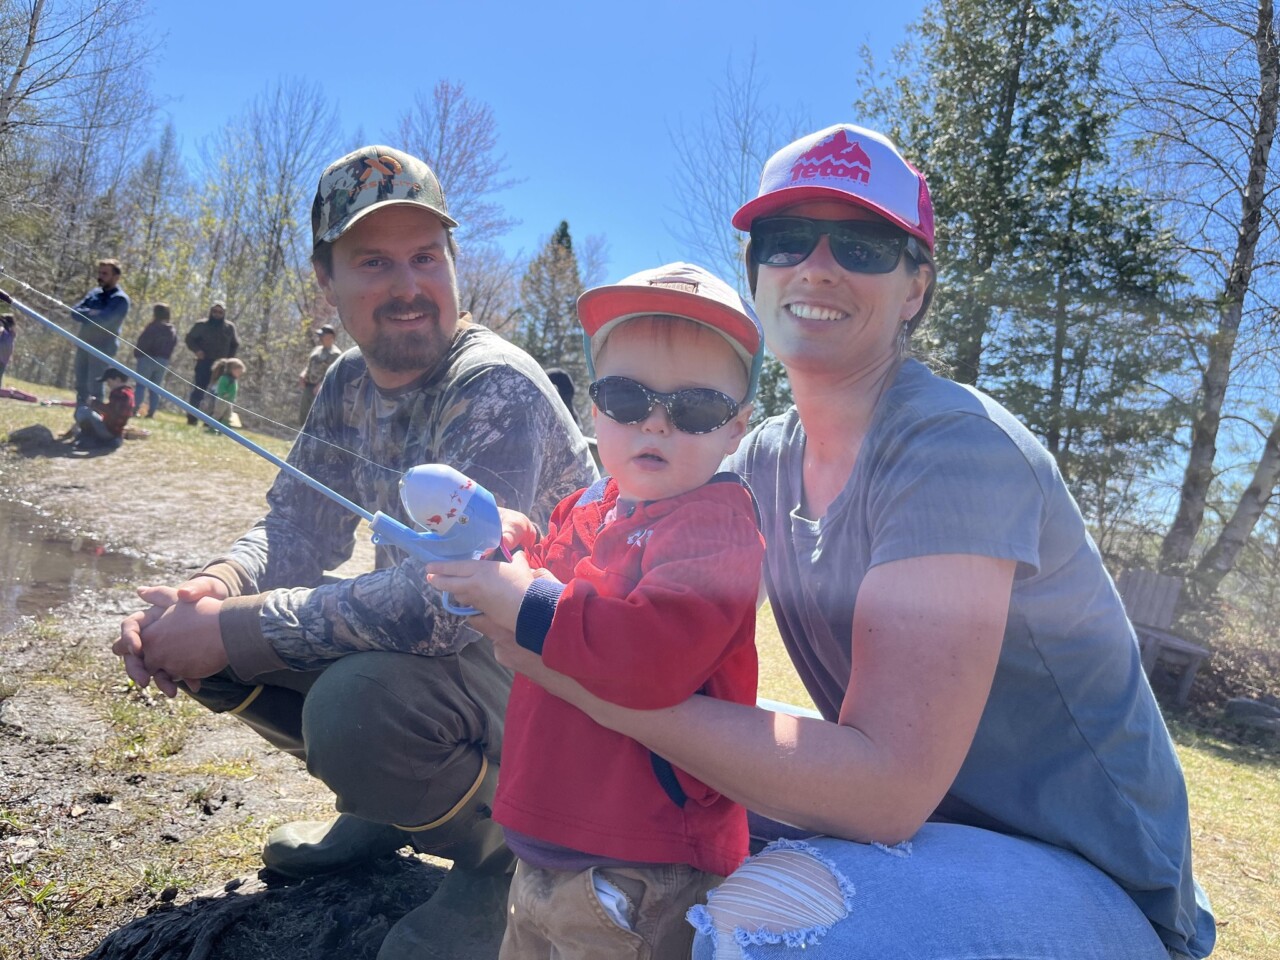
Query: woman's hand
922	668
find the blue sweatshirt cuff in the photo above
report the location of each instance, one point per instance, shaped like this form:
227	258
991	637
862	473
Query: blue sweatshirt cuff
538	607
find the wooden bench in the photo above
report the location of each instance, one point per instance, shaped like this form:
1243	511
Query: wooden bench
1151	600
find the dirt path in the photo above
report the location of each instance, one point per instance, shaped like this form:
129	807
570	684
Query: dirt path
118	804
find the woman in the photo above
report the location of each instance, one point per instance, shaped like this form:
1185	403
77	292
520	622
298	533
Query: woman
981	692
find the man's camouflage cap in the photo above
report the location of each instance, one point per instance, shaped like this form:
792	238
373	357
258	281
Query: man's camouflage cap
365	179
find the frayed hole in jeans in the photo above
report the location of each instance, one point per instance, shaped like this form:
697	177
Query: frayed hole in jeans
784	895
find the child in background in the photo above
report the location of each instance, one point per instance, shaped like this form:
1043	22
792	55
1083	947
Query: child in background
226	386
101	424
644	591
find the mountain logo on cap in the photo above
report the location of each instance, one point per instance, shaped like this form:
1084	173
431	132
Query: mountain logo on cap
836	157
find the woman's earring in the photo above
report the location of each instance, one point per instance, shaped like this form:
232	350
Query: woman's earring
904	336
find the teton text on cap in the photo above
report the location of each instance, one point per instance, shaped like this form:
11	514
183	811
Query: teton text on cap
835	157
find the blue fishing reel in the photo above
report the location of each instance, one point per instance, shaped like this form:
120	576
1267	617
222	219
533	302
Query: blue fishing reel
458	519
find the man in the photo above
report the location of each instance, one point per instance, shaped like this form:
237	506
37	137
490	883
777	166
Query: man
211	340
320	360
101	314
395	704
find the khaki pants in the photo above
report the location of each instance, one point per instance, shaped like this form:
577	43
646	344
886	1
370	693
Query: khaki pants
305	400
398	738
558	914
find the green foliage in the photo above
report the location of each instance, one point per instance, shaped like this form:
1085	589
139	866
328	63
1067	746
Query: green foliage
548	320
1057	283
774	396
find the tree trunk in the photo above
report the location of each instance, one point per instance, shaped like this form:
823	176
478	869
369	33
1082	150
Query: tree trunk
1176	549
971	331
9	100
1219	560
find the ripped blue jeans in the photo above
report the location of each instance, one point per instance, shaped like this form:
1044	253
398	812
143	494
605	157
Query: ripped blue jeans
952	893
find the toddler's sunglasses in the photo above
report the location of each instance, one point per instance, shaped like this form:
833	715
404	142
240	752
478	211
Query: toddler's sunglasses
860	246
696	410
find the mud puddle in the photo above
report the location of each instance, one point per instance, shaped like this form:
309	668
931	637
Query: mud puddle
44	565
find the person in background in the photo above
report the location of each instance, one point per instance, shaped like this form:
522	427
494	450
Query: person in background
320	360
563	382
101	314
225	375
211	340
8	334
101	425
152	353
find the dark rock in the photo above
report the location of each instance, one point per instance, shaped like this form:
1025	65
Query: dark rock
1266	724
343	915
1241	708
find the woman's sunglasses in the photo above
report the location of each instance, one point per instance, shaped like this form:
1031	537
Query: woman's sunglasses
860	246
696	410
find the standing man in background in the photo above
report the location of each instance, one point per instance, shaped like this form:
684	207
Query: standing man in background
101	315
321	359
211	339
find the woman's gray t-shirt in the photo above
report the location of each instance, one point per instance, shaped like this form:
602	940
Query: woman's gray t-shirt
1071	748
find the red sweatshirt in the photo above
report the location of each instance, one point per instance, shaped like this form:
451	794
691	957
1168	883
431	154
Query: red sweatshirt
651	608
117	410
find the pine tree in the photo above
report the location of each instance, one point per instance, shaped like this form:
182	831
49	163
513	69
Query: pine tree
1055	280
548	320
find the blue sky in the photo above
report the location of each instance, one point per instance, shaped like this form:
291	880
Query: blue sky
584	93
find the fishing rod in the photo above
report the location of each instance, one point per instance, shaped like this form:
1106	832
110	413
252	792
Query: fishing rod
459	516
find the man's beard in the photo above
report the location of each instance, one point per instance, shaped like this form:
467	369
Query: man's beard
405	351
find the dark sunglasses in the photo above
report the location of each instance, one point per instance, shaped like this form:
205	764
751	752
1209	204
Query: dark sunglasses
860	246
696	410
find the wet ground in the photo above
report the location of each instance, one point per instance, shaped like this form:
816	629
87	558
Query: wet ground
113	799
43	564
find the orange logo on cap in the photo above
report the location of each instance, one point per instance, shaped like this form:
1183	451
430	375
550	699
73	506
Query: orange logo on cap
836	157
387	166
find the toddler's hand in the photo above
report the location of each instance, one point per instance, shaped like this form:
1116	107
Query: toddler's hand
495	589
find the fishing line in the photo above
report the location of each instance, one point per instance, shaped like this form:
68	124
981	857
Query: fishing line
116	362
193	410
460	517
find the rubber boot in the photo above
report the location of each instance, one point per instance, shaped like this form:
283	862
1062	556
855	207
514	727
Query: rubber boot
308	848
467	916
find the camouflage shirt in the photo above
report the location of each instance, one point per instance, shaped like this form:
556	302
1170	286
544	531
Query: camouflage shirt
488	410
318	362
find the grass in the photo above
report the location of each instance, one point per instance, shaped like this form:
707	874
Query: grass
201	448
778	678
1234	793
